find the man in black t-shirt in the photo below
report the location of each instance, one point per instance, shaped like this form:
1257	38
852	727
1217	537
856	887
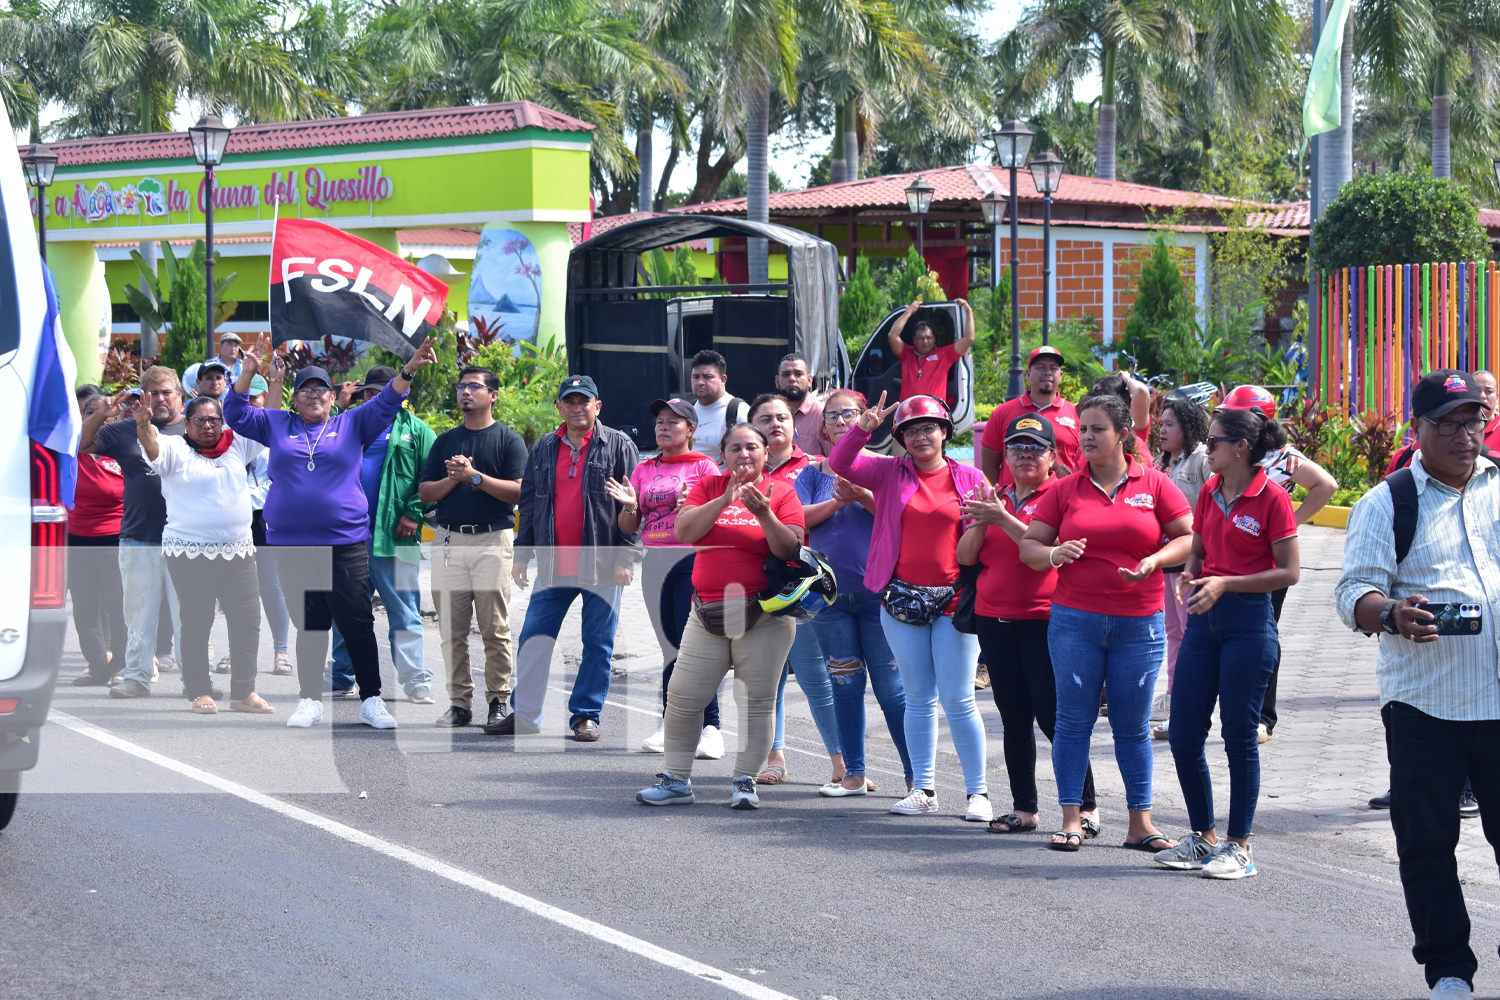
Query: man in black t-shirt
473	475
143	570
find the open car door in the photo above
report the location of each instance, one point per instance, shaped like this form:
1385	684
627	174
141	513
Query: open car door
877	370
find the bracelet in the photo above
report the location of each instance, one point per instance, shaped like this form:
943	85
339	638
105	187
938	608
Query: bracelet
631	510
1049	557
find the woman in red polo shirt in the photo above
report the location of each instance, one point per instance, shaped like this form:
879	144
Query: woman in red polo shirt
735	520
1011	607
1102	528
1244	547
93	562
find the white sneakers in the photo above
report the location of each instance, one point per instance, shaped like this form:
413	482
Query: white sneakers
710	743
980	810
916	803
308	713
657	741
1161	707
373	713
1451	988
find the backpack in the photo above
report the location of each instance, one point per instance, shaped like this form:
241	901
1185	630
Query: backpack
1403	487
735	411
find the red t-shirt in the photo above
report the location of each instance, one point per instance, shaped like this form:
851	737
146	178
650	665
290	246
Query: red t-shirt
1120	532
1492	435
99	499
787	472
1238	543
737	539
1143	440
930	530
926	374
1061	414
1008	588
567	502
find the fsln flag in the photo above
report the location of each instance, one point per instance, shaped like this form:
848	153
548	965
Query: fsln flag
1321	106
54	421
325	281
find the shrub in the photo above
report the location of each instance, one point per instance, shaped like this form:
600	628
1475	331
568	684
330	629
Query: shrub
861	307
1399	219
1160	334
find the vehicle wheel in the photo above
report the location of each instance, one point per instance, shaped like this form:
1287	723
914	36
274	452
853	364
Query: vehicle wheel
10	791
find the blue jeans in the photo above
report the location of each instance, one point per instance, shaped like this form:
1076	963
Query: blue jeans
399	588
851	638
143	577
275	604
1091	651
1227	655
812	677
544	617
937	664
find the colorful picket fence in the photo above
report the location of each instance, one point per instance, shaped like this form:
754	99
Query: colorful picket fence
1381	328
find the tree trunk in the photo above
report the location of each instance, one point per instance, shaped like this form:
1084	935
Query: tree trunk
1336	157
757	174
851	139
644	180
662	189
838	167
1442	116
1105	151
709	175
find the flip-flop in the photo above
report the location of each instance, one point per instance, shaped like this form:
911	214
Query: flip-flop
1071	843
1147	844
774	774
1013	824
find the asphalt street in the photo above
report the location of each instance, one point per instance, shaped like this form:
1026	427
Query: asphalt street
160	854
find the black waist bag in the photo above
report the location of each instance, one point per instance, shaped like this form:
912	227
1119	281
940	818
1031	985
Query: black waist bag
910	604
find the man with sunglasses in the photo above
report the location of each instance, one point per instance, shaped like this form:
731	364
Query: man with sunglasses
388	475
1440	694
473	475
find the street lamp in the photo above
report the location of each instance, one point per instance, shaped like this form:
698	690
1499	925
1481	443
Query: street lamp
209	137
1012	143
40	163
993	209
918	201
1046	174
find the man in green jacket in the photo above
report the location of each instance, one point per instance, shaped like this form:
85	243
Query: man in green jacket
389	477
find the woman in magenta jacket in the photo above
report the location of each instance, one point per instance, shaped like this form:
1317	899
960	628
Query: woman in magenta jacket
913	565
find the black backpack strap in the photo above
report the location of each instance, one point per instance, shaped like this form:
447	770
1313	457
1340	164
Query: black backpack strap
1403	457
732	411
1403	487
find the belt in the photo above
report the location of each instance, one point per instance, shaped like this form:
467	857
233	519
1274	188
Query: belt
473	529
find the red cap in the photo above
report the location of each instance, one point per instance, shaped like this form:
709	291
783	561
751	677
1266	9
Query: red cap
1045	351
1250	397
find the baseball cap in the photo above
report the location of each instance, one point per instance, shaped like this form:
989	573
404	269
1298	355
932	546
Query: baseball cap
1045	351
379	375
1439	393
312	373
258	385
1032	427
211	366
681	407
580	384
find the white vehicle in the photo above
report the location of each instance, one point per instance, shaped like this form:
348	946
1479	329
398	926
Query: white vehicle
33	520
877	371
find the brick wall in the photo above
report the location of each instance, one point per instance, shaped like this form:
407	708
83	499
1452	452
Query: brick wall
1127	271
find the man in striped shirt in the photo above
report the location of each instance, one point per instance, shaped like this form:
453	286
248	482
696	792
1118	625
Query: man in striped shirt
1440	694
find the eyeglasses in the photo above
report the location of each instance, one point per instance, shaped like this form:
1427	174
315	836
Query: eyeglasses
1448	428
1026	450
834	416
207	421
314	392
463	387
923	430
1214	439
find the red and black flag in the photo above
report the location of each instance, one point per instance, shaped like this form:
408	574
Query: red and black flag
325	281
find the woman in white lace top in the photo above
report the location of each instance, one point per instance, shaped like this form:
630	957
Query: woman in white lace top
209	550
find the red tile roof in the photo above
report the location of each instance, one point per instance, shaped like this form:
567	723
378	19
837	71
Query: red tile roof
393	126
604	223
963	184
1298	215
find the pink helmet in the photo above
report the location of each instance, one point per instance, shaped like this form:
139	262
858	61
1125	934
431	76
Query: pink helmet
921	408
1251	397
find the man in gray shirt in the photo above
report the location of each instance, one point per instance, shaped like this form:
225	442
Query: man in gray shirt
1440	694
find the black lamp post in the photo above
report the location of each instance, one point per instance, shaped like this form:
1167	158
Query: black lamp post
1046	174
209	138
40	164
993	209
1012	143
918	201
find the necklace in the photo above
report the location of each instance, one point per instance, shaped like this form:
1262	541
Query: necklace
312	446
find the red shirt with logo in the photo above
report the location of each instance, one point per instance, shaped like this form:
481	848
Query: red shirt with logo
567	501
930	530
99	499
1122	525
1237	537
926	374
788	471
1061	414
1008	588
738	542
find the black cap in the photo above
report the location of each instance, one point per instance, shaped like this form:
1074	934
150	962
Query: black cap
1030	426
580	384
379	375
1439	393
311	373
209	366
681	407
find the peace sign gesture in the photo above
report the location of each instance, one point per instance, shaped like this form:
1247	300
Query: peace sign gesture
875	415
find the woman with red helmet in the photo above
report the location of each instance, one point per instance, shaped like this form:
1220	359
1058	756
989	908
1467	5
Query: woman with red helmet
913	565
1288	468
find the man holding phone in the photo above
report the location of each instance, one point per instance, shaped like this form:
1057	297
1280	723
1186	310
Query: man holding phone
1439	687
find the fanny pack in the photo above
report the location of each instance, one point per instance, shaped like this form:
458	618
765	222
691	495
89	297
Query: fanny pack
717	616
914	605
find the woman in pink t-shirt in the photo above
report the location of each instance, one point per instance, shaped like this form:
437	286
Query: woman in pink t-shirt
649	503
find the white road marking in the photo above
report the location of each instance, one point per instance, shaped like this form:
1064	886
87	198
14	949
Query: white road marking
556	915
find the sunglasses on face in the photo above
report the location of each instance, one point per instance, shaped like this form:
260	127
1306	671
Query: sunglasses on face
314	392
1026	450
1214	439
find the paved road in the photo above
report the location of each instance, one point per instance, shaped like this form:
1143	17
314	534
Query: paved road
160	854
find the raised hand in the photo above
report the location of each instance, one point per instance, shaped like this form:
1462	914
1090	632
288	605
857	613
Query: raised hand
426	355
914	306
621	492
984	507
875	415
755	501
347	392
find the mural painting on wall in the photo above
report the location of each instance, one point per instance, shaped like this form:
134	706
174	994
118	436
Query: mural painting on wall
505	288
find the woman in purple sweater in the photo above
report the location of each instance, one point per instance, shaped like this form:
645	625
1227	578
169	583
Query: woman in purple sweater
316	502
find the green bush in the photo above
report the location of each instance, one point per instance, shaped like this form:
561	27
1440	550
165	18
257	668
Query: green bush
528	386
1399	219
432	389
1160	334
861	307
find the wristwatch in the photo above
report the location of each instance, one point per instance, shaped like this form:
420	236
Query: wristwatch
476	479
1388	618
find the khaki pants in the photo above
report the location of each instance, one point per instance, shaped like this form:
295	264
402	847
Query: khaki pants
702	661
471	577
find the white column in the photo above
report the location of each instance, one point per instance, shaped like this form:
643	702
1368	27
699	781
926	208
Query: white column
1200	275
1108	319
